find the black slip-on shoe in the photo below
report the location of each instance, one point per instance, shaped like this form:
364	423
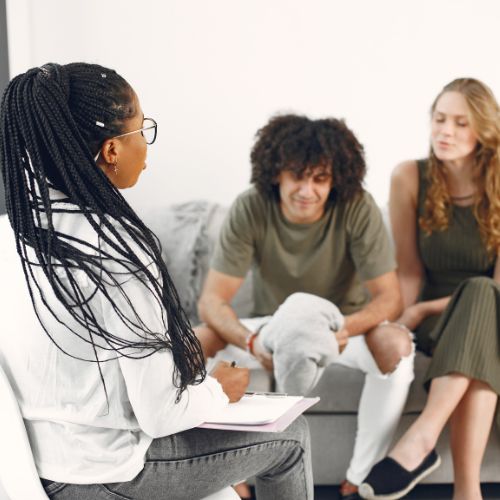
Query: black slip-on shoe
388	480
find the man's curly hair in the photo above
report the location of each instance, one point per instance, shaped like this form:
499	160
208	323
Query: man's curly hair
297	143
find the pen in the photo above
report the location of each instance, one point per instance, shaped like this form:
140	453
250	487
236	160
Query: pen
268	394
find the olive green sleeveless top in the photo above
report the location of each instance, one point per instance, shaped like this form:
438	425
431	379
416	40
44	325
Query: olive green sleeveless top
452	255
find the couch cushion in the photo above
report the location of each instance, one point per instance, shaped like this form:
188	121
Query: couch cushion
185	246
187	233
340	389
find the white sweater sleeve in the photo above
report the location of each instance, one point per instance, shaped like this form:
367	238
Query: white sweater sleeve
149	381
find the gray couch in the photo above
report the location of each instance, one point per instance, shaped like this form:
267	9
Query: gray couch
188	233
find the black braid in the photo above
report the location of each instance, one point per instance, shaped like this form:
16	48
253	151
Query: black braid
53	121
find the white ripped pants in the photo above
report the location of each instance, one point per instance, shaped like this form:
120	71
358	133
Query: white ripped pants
380	406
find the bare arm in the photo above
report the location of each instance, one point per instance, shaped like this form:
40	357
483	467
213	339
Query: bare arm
413	315
423	309
403	212
385	303
214	307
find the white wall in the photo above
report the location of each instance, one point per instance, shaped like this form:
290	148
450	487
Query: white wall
213	72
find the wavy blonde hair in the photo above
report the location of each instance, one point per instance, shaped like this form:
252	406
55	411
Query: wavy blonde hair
484	118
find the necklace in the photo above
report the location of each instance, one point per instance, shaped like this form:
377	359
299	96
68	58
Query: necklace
462	198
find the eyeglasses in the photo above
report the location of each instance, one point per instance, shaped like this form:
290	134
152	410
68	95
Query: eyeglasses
148	130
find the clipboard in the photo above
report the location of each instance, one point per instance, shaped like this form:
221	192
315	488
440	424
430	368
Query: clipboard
278	424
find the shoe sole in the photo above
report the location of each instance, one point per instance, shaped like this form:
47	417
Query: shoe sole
366	491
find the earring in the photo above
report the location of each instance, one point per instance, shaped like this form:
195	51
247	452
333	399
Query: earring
115	166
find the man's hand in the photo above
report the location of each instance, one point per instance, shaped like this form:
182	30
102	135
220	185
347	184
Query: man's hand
264	357
342	337
234	381
412	316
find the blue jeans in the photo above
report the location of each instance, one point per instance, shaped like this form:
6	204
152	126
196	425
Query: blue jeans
193	464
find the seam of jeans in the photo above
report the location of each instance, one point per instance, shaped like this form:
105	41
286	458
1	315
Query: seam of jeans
304	481
303	470
54	488
240	450
111	493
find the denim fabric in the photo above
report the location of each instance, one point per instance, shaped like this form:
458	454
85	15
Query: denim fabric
193	464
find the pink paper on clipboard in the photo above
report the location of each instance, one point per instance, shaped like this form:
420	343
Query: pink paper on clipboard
277	425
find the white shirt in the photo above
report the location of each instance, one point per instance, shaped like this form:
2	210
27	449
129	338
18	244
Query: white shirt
74	436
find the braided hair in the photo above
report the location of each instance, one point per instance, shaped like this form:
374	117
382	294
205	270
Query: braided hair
53	121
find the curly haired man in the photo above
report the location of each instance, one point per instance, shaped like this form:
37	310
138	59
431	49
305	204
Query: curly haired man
308	229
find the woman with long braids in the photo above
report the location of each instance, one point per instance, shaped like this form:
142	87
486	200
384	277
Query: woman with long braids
108	372
445	214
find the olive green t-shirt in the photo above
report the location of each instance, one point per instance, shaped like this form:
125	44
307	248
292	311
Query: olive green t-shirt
329	258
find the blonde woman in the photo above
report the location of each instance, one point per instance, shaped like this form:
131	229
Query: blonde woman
445	214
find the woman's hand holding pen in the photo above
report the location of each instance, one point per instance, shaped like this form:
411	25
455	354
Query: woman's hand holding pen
234	380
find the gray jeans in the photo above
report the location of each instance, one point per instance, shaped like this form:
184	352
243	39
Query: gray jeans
195	463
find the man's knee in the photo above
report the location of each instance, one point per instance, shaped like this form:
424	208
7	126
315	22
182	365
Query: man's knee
388	345
210	342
